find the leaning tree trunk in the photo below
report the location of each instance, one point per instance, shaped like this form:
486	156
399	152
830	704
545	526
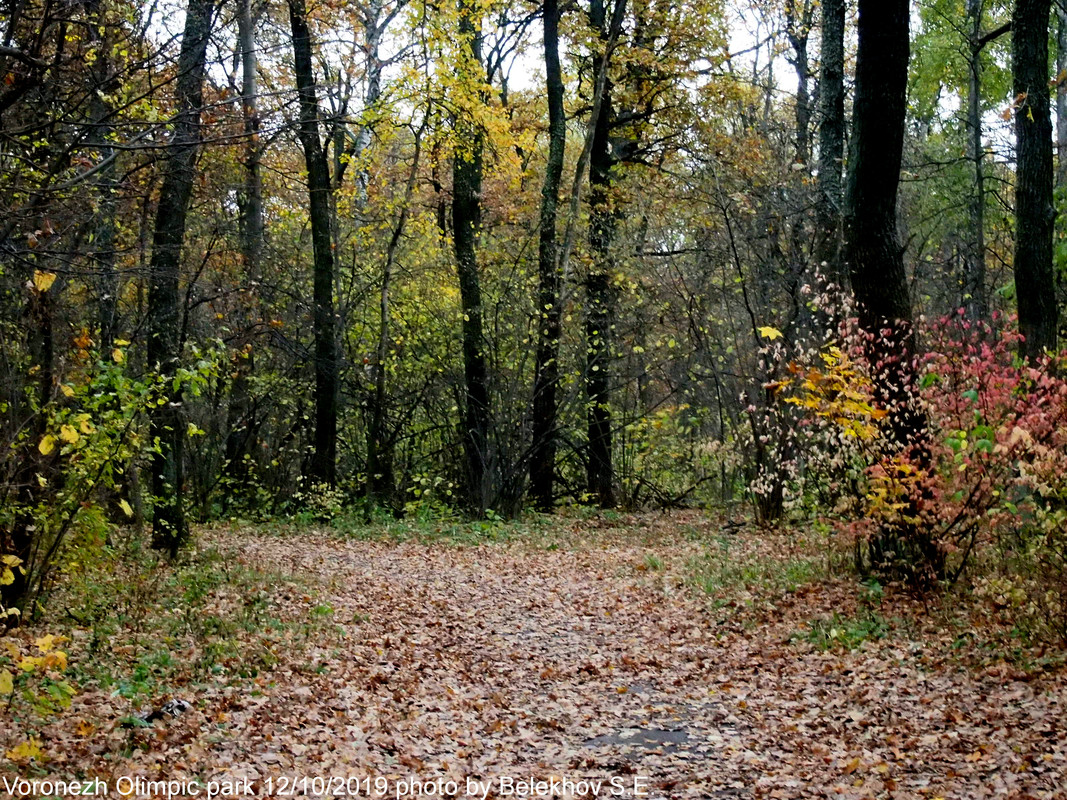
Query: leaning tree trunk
546	382
831	139
1034	210
324	457
164	299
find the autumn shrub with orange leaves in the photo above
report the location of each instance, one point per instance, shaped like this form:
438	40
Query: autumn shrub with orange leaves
985	495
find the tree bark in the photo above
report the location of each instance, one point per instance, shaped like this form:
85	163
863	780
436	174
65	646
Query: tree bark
600	289
1061	97
546	382
975	300
467	166
872	246
169	527
324	457
239	425
379	445
1034	210
831	139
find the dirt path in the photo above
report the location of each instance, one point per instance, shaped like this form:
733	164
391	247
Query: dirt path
578	663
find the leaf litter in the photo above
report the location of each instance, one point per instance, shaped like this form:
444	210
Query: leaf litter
591	658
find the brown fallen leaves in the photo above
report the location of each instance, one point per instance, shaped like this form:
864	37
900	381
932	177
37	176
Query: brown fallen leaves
586	660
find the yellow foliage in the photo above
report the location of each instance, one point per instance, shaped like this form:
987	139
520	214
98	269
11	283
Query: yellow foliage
29	749
42	281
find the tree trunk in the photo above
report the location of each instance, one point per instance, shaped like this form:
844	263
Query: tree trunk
872	246
1061	97
975	300
164	299
875	260
546	382
324	458
831	139
379	445
1034	210
600	290
467	163
239	426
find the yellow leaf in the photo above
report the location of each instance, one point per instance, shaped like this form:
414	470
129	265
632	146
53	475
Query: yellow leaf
29	664
7	682
47	445
12	648
68	433
84	423
31	748
11	561
84	729
121	342
117	356
767	332
67	390
42	281
126	508
56	660
7	577
45	643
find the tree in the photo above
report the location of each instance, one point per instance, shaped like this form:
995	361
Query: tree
1035	288
164	299
831	138
975	297
872	246
600	291
467	168
542	467
327	362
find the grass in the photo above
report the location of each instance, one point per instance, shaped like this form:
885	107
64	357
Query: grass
145	629
837	630
717	573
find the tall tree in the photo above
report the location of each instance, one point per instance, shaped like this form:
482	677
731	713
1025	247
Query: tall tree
164	299
252	241
467	167
831	138
975	296
1034	210
600	290
545	410
872	245
327	361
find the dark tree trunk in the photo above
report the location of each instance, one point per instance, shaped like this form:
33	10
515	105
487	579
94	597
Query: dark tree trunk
324	457
239	424
379	444
872	246
467	162
106	186
975	298
875	260
1034	210
164	299
546	382
600	291
831	139
1061	98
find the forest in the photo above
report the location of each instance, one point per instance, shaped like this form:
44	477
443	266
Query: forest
533	398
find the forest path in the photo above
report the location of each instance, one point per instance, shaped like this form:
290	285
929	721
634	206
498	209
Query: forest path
579	660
